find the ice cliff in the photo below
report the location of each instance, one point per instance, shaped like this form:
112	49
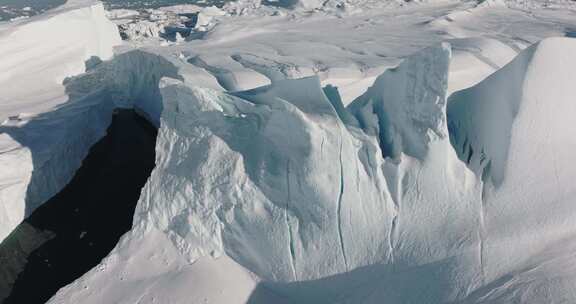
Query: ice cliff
49	147
296	188
403	190
37	55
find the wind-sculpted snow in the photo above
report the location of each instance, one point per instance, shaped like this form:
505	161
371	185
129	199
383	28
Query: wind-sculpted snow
520	137
409	103
481	143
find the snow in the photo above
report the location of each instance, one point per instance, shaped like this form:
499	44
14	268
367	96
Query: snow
37	55
207	280
121	14
142	29
205	17
181	9
59	42
526	160
425	158
408	117
166	23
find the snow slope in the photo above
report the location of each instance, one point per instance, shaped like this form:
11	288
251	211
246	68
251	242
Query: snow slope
515	128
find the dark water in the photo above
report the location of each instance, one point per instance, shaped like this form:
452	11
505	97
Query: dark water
82	224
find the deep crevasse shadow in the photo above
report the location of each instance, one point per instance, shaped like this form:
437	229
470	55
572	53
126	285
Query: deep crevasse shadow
86	219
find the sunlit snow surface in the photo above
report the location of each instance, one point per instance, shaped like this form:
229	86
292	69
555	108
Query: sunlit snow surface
415	154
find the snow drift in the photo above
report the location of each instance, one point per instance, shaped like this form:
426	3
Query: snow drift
515	129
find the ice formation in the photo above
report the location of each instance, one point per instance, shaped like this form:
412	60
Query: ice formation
317	167
165	23
37	56
321	214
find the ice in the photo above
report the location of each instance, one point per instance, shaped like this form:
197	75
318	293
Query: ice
166	22
409	102
425	158
205	17
36	57
62	41
282	180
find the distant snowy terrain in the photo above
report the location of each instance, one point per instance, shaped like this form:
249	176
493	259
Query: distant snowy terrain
143	4
348	151
15	9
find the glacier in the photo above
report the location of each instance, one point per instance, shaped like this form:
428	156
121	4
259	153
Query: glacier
426	159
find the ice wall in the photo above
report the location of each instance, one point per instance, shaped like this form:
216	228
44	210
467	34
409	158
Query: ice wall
37	55
44	151
296	189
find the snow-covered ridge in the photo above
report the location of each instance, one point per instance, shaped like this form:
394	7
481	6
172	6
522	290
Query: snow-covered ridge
515	128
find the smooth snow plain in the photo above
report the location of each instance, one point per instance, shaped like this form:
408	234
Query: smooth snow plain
314	154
